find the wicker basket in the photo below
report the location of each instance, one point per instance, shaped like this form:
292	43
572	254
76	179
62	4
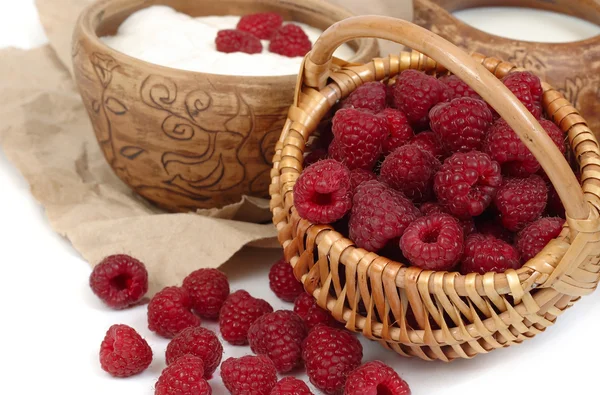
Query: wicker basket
455	316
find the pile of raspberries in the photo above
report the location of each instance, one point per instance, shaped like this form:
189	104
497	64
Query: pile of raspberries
287	40
424	171
282	342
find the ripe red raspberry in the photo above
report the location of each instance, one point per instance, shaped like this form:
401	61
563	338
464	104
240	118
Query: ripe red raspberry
428	141
262	25
458	87
521	201
291	41
358	176
461	124
279	336
208	289
119	280
527	87
358	138
239	311
322	193
290	386
534	237
330	355
467	224
124	352
170	312
555	133
410	170
370	96
185	376
485	253
434	242
379	215
200	342
229	41
399	130
307	308
283	282
375	378
254	375
467	182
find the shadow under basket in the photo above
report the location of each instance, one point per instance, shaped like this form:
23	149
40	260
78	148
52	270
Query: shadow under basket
416	312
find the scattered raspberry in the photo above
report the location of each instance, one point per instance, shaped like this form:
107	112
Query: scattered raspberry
527	88
208	289
261	25
254	375
200	342
375	378
458	87
399	130
379	214
170	312
291	41
239	311
119	280
428	141
185	376
303	303
322	193
467	182
358	176
279	336
410	170
534	237
124	352
467	224
370	96
330	355
434	242
283	282
521	201
312	314
290	386
314	156
485	253
461	124
229	41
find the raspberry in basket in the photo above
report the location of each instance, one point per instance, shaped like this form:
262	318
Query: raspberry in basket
521	201
119	280
399	130
358	176
527	87
467	182
208	289
307	308
493	226
239	311
283	282
124	352
375	377
534	237
322	193
290	386
230	40
428	141
370	96
200	342
458	87
291	41
467	224
185	376
170	312
485	253
249	375
262	25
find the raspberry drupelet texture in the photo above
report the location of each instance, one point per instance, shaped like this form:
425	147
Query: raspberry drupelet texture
323	193
291	41
458	87
527	87
485	253
283	282
254	375
467	182
230	40
370	96
374	378
428	141
279	336
434	242
467	224
170	312
262	25
399	130
330	355
200	342
379	215
534	237
208	289
185	376
290	386
119	281
239	311
124	352
358	176
312	314
521	201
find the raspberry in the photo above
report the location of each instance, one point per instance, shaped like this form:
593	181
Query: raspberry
458	87
290	386
358	138
399	130
279	336
555	205
170	312
428	141
467	182
434	242
208	289
521	201
312	314
283	282
410	170
291	41
119	280
303	303
239	311
555	133
358	176
322	193
261	25
370	96
527	88
485	253
314	156
461	124
124	352
375	378
229	41
185	376
467	224
534	237
330	355
249	375
494	228
379	215
200	342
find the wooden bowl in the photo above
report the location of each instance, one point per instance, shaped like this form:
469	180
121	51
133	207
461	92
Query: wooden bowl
188	140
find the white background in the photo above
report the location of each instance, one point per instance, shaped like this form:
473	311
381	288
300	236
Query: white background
51	325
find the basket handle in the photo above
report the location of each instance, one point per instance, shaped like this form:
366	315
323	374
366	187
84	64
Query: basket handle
317	71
